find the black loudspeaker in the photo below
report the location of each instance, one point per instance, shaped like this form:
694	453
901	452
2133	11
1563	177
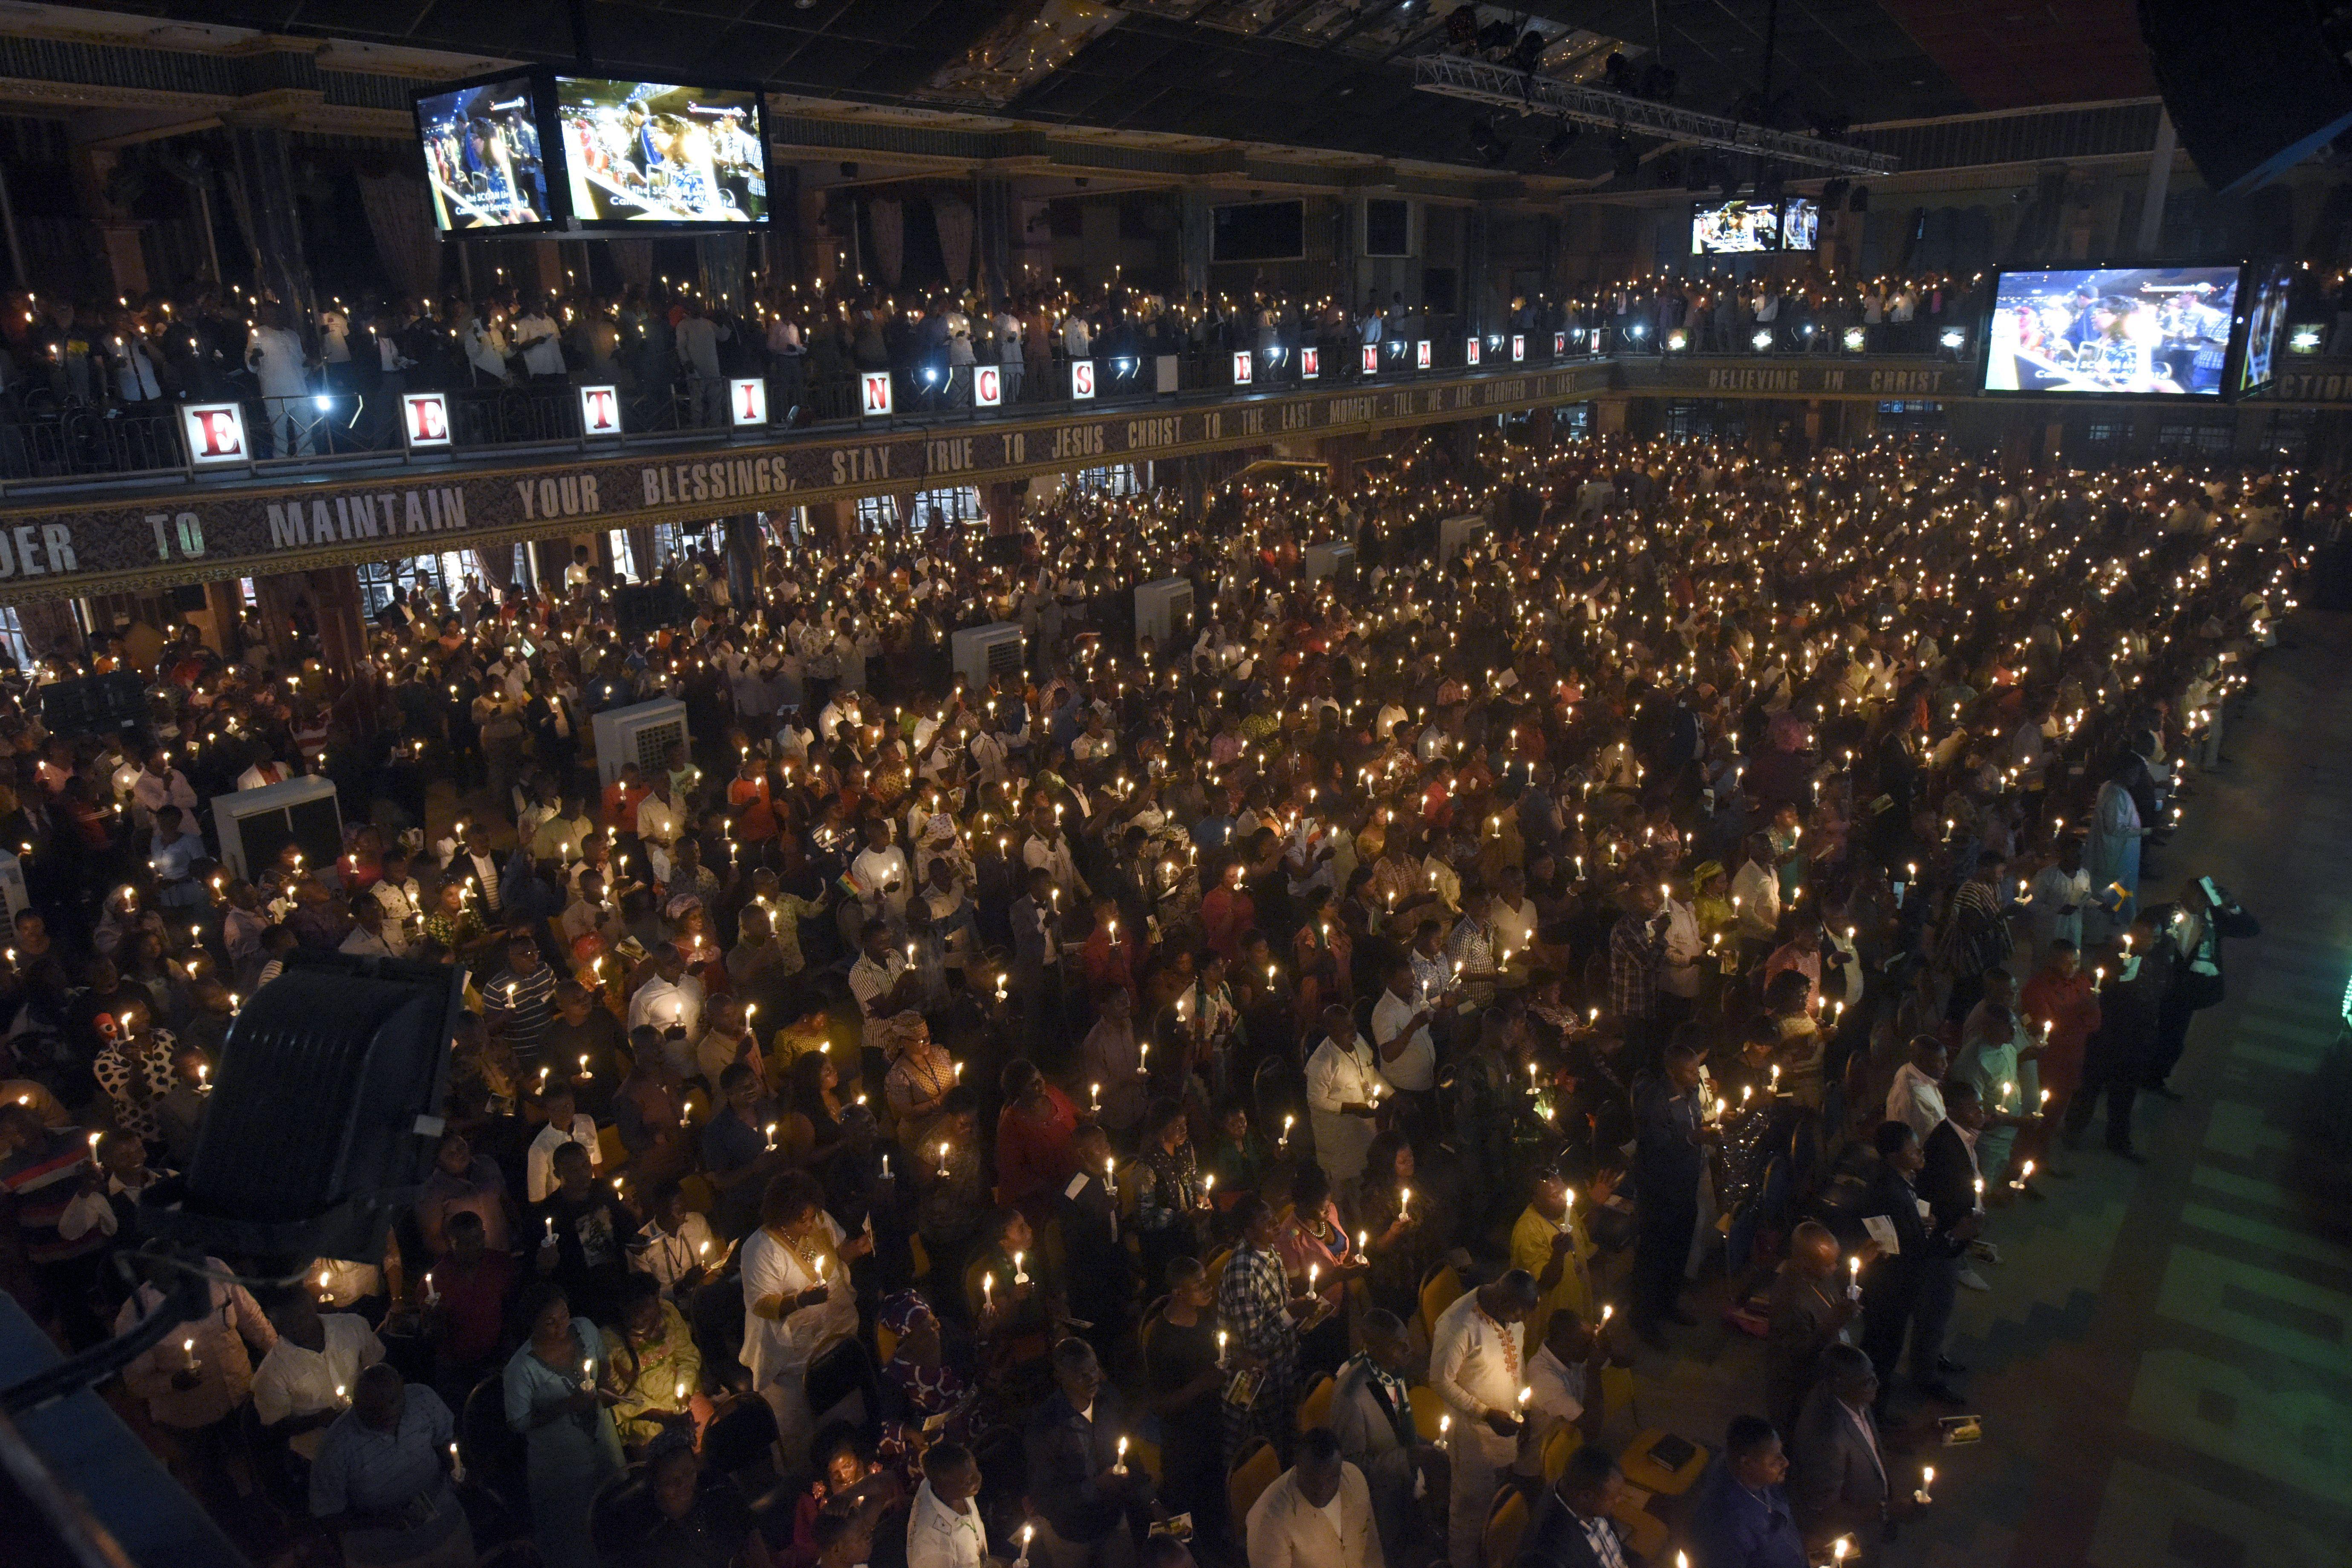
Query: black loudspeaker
641	611
2255	87
94	704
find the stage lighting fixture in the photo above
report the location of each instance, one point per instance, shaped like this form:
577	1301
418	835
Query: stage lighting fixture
1856	338
1560	140
1762	340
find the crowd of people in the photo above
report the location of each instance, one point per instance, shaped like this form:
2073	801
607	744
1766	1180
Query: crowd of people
1263	1094
671	347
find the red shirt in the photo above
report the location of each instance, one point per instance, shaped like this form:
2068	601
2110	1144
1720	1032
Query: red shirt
621	804
1034	1159
472	1315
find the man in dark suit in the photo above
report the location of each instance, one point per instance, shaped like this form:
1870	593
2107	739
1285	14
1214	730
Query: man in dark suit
1669	1157
1741	1517
1809	1312
1922	1271
2196	927
1952	1183
1083	1494
2117	1059
1837	1472
1571	1530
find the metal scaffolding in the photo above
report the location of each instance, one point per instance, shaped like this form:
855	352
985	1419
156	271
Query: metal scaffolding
1453	75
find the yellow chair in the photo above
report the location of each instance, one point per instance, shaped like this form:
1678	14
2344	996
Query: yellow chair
1616	1394
1440	1288
1147	1455
920	1255
1558	1449
612	1155
699	1194
1315	1410
1427	1407
1645	1532
1216	1269
1643	1469
697	1106
1506	1522
886	1342
1258	1469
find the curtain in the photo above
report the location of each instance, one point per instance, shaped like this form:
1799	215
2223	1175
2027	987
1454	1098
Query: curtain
888	221
722	260
955	223
495	563
397	209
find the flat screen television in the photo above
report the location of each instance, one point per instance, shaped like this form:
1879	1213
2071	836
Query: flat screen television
1734	228
1258	231
485	157
647	154
1800	224
2111	331
2266	328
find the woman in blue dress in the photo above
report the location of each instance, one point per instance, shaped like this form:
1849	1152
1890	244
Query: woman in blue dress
2113	858
557	1398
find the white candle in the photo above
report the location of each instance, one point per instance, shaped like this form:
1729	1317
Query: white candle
1020	1275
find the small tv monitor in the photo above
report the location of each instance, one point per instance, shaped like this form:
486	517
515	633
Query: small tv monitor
2266	328
1800	224
648	154
485	161
1734	228
2111	331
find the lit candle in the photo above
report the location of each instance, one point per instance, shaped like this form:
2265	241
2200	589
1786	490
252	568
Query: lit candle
1121	1466
456	1465
943	1159
987	1292
1098	1097
1220	1347
1927	1480
1020	1275
1853	1276
587	1374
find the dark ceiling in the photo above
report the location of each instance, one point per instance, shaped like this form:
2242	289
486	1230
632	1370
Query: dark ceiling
1318	73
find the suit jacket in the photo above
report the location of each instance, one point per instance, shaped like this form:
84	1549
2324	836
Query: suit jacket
1364	1424
1286	1531
1068	1454
1804	1322
1949	1182
1836	1484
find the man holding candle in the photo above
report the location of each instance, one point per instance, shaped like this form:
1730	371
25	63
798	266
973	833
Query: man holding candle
1740	1517
379	1482
1086	1496
1477	1365
1669	1160
305	1381
1342	1084
1838	1470
1318	1515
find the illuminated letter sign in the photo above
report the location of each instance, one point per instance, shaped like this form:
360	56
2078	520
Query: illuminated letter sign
1420	354
1242	369
600	411
1310	364
747	396
425	418
215	432
1081	378
874	388
987	386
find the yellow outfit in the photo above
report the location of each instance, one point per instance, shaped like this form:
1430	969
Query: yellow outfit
650	1380
1531	1240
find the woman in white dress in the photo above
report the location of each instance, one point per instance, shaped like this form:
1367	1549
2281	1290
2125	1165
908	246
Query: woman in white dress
797	1299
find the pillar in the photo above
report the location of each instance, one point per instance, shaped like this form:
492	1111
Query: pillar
264	169
993	216
834	523
1477	286
49	627
1002	500
1609	415
1193	240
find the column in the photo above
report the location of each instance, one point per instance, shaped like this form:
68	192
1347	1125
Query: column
1002	498
992	208
1477	225
262	167
1192	241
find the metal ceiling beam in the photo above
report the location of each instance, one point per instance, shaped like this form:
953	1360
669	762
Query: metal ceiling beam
1452	76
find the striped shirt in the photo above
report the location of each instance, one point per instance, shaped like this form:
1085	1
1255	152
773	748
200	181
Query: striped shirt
527	1004
399	1474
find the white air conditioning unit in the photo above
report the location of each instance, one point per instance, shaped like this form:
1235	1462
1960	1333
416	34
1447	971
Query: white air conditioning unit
982	653
1330	560
1163	612
1456	534
639	734
254	824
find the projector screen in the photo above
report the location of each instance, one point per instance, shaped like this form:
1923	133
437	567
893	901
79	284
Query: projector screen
2266	328
483	159
643	155
2112	330
1734	228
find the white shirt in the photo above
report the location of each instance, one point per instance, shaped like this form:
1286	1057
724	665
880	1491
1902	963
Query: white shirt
881	875
870	982
661	1003
292	1381
658	820
1338	1076
779	1349
1473	1364
1416	1068
1679	975
1559	1387
939	1536
1286	1531
1915	1101
669	1254
1757	888
538	1159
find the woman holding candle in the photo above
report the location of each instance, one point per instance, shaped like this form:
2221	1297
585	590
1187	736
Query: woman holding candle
656	1370
796	1298
1404	1236
1184	1374
1171	1203
1320	1260
557	1398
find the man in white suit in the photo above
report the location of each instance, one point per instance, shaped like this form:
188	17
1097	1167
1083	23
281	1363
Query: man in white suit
1318	1515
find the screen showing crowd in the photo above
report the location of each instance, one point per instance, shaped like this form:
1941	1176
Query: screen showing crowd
645	153
482	158
1741	229
2128	329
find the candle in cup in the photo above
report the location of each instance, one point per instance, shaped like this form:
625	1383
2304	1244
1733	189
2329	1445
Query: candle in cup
1926	1479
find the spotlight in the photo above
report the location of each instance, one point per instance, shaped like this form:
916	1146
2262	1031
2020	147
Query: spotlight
1953	338
1762	340
1854	339
2305	341
1676	341
322	403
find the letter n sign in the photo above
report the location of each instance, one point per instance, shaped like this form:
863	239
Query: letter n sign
1470	353
600	411
215	432
874	394
425	417
747	400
